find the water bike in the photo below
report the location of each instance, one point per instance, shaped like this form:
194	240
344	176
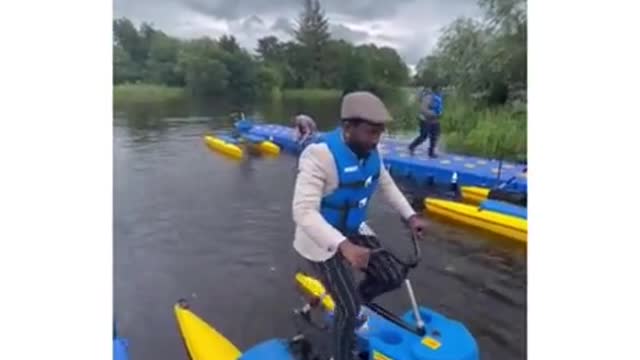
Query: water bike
419	334
229	143
500	218
476	194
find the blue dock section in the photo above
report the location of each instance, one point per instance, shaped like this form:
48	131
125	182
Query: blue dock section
471	171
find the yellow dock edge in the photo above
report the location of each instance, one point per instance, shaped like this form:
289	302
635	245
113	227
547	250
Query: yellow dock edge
268	147
510	227
223	147
201	340
474	194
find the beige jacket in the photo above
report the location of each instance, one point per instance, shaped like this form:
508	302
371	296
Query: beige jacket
315	239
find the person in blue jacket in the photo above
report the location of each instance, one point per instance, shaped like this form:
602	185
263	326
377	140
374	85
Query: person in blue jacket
431	109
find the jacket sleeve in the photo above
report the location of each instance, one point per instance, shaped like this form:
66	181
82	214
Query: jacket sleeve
393	195
307	195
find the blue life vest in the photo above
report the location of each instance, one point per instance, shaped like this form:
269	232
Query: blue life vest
436	105
346	207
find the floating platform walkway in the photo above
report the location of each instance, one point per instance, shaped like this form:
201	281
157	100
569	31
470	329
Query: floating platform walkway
469	171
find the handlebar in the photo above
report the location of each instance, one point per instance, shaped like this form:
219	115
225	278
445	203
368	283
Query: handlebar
409	264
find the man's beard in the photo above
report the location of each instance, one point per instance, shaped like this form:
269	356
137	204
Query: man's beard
361	151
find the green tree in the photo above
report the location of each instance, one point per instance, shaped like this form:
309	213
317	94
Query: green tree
338	53
430	72
268	79
296	64
127	37
206	76
394	70
229	44
356	73
312	34
205	72
487	60
242	79
147	33
124	68
506	16
386	68
271	49
273	55
162	62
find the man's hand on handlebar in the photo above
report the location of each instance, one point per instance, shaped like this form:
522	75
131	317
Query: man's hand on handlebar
418	225
357	256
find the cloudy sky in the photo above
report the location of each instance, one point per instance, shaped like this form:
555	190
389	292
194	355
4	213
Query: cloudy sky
410	26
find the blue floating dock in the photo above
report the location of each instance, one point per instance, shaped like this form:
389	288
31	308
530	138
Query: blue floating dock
227	138
253	138
120	349
120	346
472	171
504	208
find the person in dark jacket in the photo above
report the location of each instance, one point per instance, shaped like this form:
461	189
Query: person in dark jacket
431	109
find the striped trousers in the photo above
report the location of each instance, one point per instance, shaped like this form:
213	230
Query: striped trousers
382	274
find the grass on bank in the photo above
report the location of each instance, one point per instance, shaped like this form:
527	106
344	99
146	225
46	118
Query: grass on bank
145	93
468	128
311	94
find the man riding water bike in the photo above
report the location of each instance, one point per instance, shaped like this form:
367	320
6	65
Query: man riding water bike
336	179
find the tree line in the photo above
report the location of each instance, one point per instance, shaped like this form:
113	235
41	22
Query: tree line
484	58
220	67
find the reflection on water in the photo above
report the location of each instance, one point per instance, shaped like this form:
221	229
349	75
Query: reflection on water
191	223
161	115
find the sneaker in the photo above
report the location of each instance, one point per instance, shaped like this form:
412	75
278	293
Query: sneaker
362	322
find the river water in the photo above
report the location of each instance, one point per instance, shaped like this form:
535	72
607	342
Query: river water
189	223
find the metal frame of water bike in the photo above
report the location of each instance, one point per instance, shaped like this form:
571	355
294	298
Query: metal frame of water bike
408	265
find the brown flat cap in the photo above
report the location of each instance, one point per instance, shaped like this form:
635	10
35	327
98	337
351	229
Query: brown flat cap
364	105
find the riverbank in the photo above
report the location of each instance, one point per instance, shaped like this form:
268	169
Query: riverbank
312	94
467	127
126	94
